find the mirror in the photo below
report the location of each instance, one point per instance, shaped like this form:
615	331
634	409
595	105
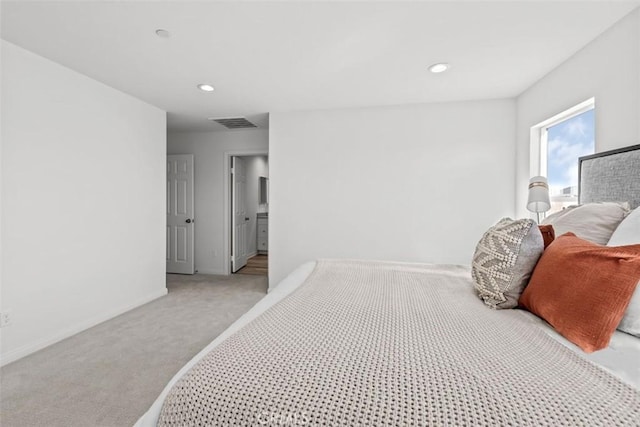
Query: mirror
264	190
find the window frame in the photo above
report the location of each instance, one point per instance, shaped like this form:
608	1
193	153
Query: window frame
540	134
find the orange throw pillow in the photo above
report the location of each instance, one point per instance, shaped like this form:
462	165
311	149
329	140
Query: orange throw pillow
547	234
582	289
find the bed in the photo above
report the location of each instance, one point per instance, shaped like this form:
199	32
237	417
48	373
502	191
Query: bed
354	342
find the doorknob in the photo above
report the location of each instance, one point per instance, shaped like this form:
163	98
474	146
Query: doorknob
188	221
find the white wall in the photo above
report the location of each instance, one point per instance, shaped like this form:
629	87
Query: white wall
83	187
1	196
209	150
410	183
257	166
608	69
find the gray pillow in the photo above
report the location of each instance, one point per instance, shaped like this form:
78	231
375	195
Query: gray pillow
594	222
504	260
628	233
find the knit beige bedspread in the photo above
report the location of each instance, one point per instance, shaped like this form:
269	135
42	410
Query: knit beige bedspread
376	344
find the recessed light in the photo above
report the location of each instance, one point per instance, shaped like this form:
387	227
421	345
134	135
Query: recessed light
205	87
163	33
439	67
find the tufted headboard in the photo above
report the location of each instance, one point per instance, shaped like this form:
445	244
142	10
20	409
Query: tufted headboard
611	176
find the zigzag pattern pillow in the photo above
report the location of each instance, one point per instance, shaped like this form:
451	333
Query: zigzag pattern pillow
504	260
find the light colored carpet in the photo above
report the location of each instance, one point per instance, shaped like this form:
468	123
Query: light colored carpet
110	374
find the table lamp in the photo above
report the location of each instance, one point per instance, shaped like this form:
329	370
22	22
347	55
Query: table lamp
538	200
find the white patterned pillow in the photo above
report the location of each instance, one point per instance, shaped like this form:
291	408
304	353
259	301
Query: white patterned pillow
504	260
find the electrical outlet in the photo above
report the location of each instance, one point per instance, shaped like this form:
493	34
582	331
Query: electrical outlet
5	318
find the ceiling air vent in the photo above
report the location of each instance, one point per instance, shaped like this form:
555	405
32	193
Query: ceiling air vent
234	123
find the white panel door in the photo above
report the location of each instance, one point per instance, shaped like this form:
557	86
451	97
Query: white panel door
180	222
239	219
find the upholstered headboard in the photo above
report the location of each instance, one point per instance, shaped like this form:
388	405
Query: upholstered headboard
611	176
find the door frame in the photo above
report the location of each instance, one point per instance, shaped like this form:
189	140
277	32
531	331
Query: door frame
226	235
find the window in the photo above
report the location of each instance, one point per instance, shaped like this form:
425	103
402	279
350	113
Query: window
561	140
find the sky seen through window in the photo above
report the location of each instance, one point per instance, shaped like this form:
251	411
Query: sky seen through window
566	142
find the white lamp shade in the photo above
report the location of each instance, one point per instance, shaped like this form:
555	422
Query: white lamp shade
538	200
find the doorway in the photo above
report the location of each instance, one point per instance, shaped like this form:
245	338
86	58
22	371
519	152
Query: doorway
249	214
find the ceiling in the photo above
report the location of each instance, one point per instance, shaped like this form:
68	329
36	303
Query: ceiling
283	56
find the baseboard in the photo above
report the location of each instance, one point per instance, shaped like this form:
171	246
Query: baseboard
211	271
26	350
252	254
